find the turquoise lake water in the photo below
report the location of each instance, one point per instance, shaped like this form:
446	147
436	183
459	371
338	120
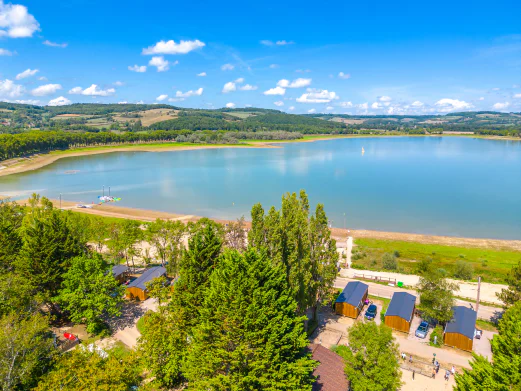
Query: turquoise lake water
433	185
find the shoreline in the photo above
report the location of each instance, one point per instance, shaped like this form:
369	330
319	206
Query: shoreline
34	162
123	212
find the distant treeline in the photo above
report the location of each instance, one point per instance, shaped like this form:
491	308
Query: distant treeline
22	144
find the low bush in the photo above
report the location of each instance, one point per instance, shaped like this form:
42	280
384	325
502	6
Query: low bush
389	261
463	270
436	338
357	266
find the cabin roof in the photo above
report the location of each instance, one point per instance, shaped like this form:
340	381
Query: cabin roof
353	293
147	276
330	372
117	270
402	305
463	322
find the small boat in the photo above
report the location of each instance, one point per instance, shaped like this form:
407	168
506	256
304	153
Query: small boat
363	150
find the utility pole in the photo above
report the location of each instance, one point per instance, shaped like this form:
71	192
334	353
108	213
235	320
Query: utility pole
109	191
60	200
479	289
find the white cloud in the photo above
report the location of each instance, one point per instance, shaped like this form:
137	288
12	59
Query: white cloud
93	90
229	87
303	70
123	102
16	22
317	96
275	91
329	108
202	74
61	101
248	87
187	94
46	89
501	105
161	64
138	68
496	89
481	98
417	104
311	111
447	105
240	80
384	98
27	73
284	42
274	66
298	83
5	52
227	67
363	106
376	105
517	96
171	47
118	83
279	103
161	97
266	42
346	104
55	44
342	75
291	108
230	105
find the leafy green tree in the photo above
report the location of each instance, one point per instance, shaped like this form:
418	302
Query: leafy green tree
159	288
11	216
301	244
389	261
166	237
26	350
80	370
248	336
48	244
512	294
464	270
504	373
164	340
436	296
90	292
371	358
98	232
17	295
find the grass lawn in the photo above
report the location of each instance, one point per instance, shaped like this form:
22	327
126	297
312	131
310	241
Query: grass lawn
493	265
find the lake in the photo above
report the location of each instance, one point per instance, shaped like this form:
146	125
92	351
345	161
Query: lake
453	186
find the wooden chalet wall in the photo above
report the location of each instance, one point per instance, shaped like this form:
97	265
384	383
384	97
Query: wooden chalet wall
134	292
398	323
458	341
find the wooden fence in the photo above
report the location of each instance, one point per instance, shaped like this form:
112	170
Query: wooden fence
369	277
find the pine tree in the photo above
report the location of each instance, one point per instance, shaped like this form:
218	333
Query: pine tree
248	336
11	216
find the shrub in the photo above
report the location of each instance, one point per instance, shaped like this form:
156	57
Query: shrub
389	261
382	316
357	266
424	266
464	270
438	333
374	262
396	253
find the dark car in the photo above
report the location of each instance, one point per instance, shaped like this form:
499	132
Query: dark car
370	314
422	330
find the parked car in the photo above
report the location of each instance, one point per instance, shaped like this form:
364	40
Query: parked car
370	314
422	330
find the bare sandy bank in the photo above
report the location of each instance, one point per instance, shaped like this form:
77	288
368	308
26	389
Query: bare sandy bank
114	210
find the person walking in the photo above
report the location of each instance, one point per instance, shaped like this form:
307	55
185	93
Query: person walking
410	358
447	375
453	370
433	373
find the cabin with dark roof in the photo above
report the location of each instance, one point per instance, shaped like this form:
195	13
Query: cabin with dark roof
120	273
330	373
137	289
352	299
460	331
400	312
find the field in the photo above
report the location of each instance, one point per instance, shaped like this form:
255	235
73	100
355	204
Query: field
148	117
492	264
241	114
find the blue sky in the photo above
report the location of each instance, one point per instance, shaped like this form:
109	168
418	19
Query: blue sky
335	56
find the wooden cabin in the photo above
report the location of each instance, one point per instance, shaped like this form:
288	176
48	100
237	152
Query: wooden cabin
137	289
460	331
352	299
400	311
120	273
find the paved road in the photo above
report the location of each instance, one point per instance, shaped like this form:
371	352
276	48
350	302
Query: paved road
387	291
